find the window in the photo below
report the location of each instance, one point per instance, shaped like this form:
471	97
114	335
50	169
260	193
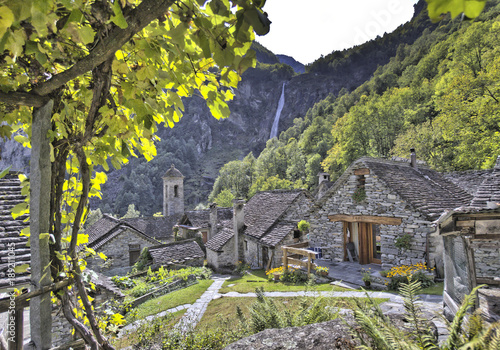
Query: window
246	245
176	191
134	251
296	234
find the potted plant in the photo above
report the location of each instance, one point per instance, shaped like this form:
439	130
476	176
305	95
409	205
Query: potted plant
366	277
321	271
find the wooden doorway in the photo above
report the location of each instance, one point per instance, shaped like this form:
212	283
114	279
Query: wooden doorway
366	239
265	257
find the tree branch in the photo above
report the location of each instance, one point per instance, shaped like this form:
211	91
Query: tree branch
137	20
84	332
23	99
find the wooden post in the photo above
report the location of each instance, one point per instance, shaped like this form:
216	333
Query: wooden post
17	344
285	258
40	186
309	264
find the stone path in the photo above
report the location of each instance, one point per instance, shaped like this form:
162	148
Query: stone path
195	312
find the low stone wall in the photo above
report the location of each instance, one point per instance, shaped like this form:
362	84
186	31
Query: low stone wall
179	284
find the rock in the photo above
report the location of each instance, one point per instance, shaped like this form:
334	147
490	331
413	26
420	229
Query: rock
321	336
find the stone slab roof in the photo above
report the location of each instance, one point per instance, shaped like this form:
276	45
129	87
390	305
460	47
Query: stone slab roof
159	228
225	232
489	190
173	172
176	252
104	282
10	196
196	218
265	208
107	228
277	233
428	191
468	180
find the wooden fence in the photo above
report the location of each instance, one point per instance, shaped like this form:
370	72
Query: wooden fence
292	256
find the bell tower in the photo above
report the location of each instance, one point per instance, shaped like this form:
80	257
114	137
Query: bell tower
173	192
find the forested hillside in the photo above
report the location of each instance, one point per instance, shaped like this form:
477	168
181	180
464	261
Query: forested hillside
439	95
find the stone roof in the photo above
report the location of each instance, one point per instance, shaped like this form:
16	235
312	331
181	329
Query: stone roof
107	228
468	180
225	232
173	172
156	227
489	190
176	252
277	233
428	191
201	218
265	208
10	195
104	282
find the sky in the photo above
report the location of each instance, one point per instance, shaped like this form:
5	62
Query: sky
307	29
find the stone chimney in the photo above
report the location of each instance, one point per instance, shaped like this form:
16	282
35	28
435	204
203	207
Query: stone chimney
323	177
238	223
497	165
213	221
413	158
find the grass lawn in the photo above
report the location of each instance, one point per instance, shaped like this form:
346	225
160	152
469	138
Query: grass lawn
222	312
436	289
257	278
132	338
180	297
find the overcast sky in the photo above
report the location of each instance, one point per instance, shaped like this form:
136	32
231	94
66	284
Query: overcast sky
308	29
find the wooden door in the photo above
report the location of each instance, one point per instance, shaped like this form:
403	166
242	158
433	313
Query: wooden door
368	237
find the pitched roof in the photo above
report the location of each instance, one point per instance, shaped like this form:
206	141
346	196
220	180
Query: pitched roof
176	252
428	191
155	227
265	208
107	228
224	233
489	190
10	195
104	282
196	218
468	180
277	233
173	172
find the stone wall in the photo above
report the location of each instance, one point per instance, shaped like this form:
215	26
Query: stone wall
278	252
224	259
486	258
380	201
117	251
299	210
252	251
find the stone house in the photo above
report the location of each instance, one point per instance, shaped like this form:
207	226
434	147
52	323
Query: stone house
264	224
196	223
471	236
376	203
119	241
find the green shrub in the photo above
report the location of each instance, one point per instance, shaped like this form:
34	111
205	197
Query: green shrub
294	276
141	288
124	282
376	331
266	313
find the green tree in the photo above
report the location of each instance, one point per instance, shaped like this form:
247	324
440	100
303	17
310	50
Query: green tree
131	212
108	72
224	199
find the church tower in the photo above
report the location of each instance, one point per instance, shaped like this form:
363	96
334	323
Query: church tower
173	192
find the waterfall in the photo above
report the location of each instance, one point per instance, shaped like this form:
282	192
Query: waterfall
281	103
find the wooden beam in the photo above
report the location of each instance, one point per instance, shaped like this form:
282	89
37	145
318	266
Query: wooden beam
299	245
302	252
493	237
465	223
23	300
380	220
486	280
362	171
300	263
17	344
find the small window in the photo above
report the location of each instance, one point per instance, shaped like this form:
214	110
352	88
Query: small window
176	191
296	234
246	245
134	251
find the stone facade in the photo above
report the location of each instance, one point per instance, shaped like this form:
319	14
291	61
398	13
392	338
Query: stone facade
413	197
119	251
222	259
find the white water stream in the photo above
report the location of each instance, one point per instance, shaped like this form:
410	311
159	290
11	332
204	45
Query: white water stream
281	103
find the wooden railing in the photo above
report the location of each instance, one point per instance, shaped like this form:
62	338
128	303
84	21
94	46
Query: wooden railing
292	254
